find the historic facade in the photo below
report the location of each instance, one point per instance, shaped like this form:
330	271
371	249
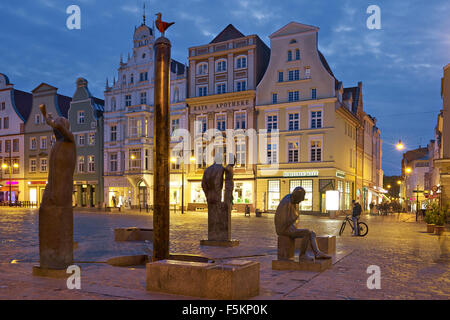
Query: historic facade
15	106
415	166
86	123
313	124
223	76
39	138
128	124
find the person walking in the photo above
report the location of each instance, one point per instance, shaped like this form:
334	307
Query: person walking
355	216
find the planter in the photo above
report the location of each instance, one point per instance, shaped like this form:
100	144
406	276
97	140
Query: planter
439	230
430	228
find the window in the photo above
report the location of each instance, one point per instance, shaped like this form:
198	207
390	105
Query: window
294	75
202	69
289	57
221	122
81	140
37	119
274	98
32	165
175	165
113	104
221	88
143	97
52	140
314	93
113	162
91	139
273	192
297	54
316	119
0	146
43	143
241	85
15	145
316	150
202	91
175	124
80	117
305	205
3	106
272	123
294	121
33	143
7	145
240	120
135	127
135	159
202	124
15	167
280	76
128	100
5	123
347	196
124	79
240	153
241	62
221	66
91	163
81	164
143	76
293	151
44	165
132	78
272	154
294	96
307	72
113	132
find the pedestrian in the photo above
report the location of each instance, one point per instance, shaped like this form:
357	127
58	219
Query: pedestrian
247	210
114	201
355	216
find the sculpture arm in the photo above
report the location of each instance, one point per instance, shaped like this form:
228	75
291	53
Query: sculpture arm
57	126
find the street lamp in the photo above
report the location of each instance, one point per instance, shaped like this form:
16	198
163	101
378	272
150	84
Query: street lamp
174	160
400	146
408	170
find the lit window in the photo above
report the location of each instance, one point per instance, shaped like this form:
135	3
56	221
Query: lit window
44	165
81	164
91	140
293	151
91	163
272	153
316	150
43	143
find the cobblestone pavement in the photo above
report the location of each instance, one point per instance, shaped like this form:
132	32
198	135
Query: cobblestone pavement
413	264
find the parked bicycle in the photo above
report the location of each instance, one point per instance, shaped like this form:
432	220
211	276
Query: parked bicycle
362	226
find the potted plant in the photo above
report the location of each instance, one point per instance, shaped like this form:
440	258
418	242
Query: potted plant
441	218
430	217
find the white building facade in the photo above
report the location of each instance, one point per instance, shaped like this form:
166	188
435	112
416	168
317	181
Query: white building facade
128	124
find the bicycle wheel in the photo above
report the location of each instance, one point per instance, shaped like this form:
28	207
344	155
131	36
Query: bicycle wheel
342	228
363	229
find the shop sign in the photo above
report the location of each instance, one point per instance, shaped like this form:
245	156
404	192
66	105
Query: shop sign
313	173
222	105
340	174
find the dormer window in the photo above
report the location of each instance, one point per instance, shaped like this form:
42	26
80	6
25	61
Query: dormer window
221	65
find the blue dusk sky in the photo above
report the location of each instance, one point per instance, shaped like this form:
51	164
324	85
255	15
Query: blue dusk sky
400	65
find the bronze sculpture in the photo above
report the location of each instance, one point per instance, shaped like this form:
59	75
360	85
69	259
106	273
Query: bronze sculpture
55	212
286	215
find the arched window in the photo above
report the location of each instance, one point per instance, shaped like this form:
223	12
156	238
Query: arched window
202	68
289	55
221	65
241	62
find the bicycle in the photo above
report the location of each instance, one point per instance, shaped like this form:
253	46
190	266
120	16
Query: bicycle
363	228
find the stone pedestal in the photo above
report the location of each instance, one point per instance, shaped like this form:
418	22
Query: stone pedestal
326	243
220	243
55	237
133	234
286	248
235	279
317	265
219	222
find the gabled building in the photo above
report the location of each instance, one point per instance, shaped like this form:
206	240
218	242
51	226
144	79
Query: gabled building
128	124
15	107
39	139
86	123
300	99
415	166
223	77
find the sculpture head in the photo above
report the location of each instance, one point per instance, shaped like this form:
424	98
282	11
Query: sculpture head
298	195
63	122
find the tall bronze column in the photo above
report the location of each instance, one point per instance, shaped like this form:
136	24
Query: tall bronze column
161	181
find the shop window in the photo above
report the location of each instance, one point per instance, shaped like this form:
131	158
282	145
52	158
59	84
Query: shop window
197	194
273	192
305	205
242	192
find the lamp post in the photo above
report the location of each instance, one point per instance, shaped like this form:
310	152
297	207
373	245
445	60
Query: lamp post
174	161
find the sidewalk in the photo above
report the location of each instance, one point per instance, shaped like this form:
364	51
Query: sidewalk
413	264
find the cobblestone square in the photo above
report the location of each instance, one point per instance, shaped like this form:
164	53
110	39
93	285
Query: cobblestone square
413	264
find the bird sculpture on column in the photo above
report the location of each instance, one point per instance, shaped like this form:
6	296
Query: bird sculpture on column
162	25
